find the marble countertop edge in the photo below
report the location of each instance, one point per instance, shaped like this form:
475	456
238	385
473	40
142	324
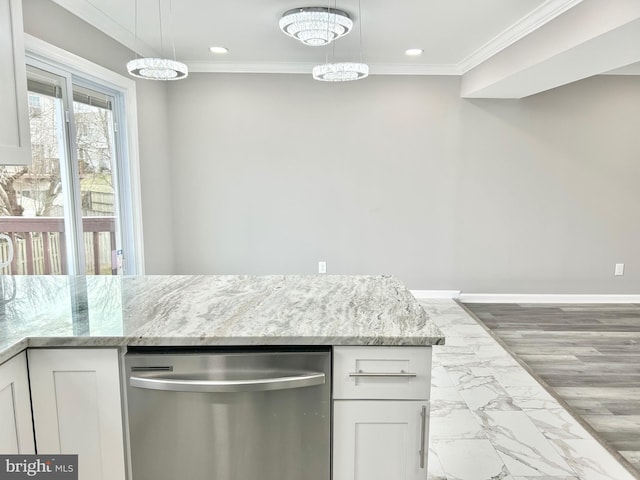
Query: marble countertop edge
11	350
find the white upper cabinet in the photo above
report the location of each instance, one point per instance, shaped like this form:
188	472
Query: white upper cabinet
15	147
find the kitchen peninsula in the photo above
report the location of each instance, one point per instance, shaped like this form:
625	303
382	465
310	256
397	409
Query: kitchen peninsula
61	311
368	323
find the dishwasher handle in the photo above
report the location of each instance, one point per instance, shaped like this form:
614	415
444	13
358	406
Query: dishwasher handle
307	379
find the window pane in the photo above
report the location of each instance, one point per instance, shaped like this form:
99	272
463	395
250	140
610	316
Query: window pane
32	199
96	156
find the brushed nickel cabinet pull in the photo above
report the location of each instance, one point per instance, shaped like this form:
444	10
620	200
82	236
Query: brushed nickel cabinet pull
423	435
360	373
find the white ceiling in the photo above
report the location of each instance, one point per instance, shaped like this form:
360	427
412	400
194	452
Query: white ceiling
459	37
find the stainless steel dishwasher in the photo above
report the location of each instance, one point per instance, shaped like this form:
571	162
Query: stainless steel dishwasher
225	414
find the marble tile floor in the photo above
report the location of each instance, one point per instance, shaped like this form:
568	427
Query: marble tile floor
491	420
586	355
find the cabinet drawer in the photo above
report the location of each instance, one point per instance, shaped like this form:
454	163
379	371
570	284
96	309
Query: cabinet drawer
381	373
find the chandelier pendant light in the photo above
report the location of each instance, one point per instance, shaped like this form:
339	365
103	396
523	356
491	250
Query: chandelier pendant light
151	68
157	69
340	72
316	26
343	71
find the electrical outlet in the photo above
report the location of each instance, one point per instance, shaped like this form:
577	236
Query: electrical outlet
619	269
322	267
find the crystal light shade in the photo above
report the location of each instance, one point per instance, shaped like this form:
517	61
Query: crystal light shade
157	69
340	72
316	26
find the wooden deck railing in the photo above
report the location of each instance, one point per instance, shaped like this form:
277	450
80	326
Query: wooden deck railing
40	247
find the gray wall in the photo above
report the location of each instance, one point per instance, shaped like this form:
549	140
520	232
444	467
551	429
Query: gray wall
272	173
50	22
155	177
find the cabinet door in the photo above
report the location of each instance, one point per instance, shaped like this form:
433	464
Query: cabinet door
380	440
16	428
77	408
15	143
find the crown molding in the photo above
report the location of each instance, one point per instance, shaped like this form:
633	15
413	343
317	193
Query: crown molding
220	67
98	19
306	68
633	69
386	69
523	27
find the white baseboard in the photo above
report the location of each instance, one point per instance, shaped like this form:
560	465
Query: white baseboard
545	298
435	293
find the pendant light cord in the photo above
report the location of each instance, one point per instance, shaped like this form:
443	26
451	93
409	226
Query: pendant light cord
173	37
333	46
333	42
160	19
326	59
360	21
135	27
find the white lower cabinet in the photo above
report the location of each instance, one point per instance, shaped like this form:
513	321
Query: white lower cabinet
77	408
380	440
381	412
16	427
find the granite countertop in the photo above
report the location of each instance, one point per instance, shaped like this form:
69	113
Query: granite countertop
59	311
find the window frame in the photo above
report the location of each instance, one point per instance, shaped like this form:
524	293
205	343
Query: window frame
125	106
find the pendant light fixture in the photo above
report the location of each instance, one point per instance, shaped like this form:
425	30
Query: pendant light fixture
316	26
343	71
157	68
340	72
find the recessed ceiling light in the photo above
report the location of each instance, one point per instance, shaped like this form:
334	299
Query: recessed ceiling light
218	50
413	52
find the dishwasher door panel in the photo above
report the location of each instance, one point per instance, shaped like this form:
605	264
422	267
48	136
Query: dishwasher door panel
281	434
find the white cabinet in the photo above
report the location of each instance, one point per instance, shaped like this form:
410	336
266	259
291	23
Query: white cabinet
16	428
15	146
381	413
77	408
381	373
380	440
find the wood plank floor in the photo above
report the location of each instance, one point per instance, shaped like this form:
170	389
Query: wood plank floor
587	355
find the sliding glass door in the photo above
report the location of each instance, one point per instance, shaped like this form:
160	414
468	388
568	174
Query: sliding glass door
63	211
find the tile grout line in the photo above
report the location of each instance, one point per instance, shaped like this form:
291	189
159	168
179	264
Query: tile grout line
563	403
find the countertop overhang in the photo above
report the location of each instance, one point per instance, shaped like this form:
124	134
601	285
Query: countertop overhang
188	310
